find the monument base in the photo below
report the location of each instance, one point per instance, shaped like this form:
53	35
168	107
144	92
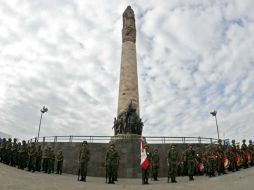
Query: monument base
128	147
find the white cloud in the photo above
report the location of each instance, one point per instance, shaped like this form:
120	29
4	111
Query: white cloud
193	57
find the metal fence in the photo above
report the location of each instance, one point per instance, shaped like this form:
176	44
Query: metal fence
106	139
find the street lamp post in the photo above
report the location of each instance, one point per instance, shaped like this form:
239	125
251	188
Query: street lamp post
43	110
214	113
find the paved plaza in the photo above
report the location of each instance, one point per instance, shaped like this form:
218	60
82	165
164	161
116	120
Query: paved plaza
12	178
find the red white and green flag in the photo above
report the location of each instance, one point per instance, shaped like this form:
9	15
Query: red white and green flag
144	163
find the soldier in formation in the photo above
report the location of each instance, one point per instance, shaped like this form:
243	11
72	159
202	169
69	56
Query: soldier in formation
111	162
155	163
84	157
145	172
27	156
172	161
59	160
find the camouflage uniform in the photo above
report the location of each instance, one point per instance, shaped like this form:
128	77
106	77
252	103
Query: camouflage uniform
14	153
190	157
145	172
18	154
2	150
38	158
47	160
155	162
31	157
8	151
251	151
172	160
111	162
52	161
23	155
59	159
220	153
84	157
211	162
244	151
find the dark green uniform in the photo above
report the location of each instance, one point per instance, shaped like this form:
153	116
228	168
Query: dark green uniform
14	152
2	150
251	151
172	160
31	157
155	162
38	158
59	160
52	160
220	153
145	172
84	157
18	154
190	157
47	160
8	151
111	162
244	152
211	162
23	155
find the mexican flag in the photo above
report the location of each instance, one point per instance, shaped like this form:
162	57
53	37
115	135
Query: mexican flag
144	163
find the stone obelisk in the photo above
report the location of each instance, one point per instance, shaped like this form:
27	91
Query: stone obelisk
128	87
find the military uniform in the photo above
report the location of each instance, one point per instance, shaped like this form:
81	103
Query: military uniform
31	157
14	152
220	153
211	162
190	157
232	154
145	172
111	162
172	160
155	162
59	160
18	154
251	151
52	161
47	160
84	157
23	155
8	151
38	158
2	150
244	151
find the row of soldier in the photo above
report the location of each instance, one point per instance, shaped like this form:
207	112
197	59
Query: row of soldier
211	160
30	156
214	159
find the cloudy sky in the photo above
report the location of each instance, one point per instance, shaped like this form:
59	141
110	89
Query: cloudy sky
193	56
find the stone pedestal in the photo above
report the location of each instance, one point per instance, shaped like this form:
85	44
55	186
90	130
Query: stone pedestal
128	147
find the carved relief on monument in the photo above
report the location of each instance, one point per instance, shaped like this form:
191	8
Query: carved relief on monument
129	29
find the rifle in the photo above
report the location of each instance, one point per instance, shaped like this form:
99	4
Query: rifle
78	171
106	174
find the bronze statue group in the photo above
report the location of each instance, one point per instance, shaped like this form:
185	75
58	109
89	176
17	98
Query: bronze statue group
212	160
30	156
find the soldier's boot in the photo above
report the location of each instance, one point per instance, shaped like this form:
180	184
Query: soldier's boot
175	180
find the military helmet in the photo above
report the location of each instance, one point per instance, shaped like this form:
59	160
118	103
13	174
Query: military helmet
112	144
244	140
84	142
233	141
